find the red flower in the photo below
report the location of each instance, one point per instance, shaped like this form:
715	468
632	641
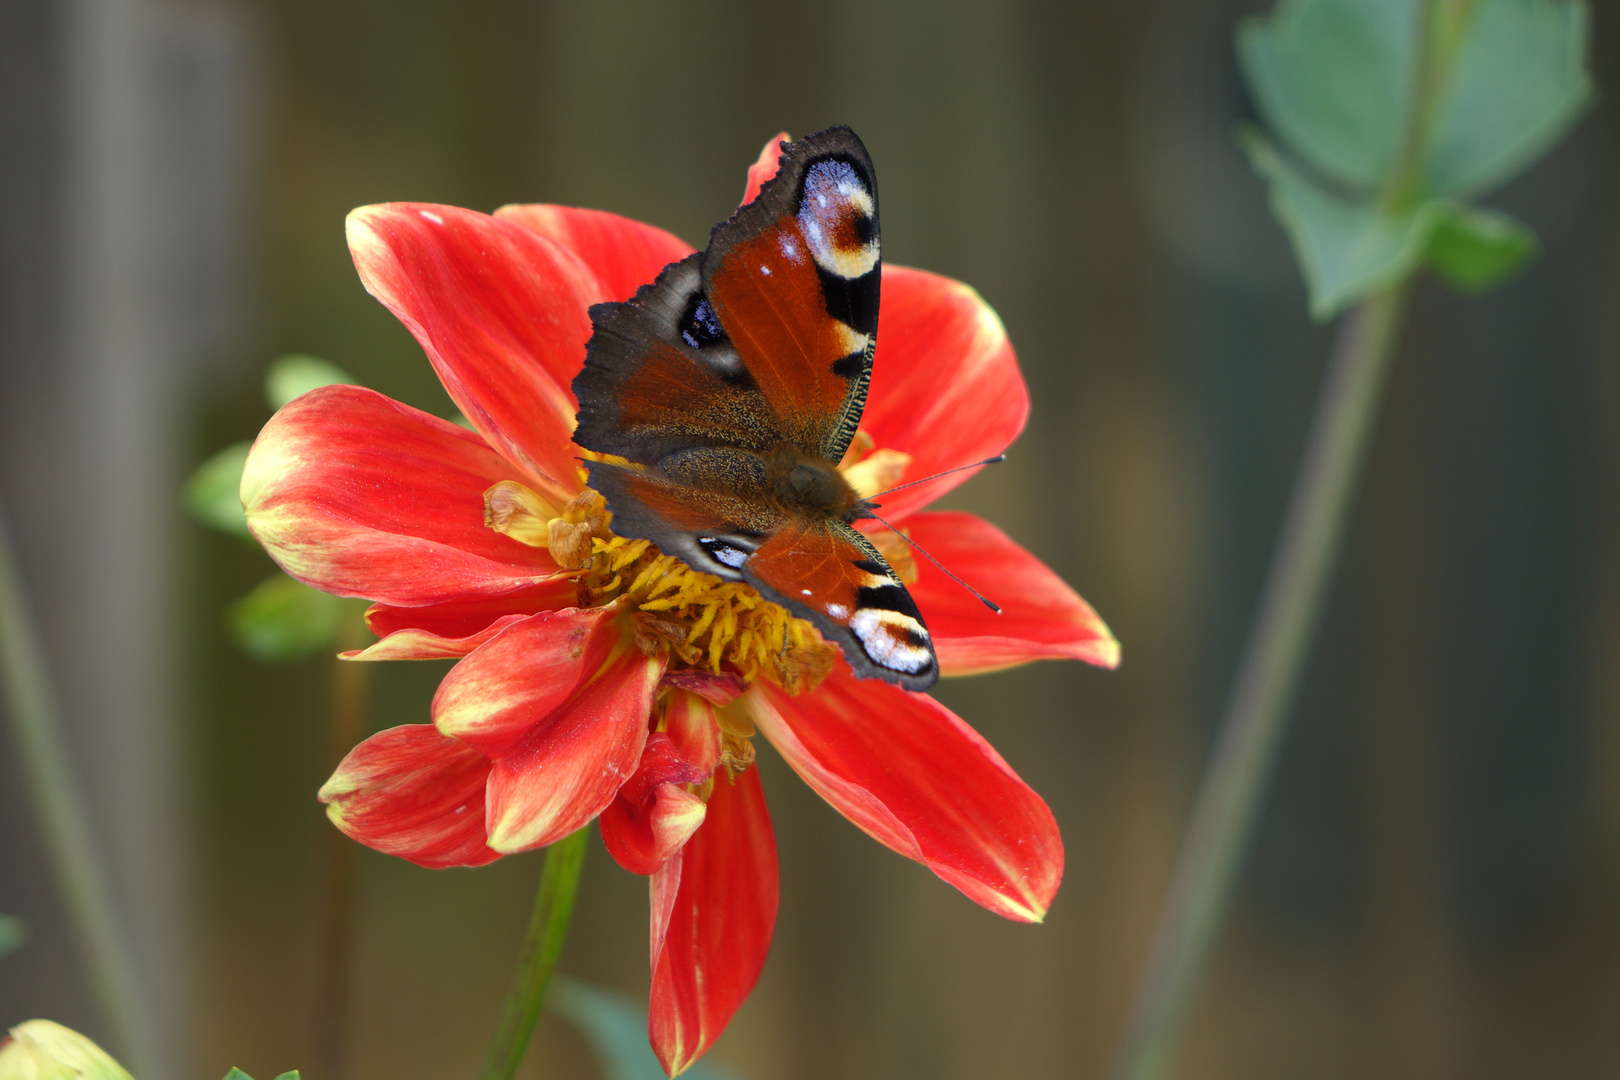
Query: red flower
601	679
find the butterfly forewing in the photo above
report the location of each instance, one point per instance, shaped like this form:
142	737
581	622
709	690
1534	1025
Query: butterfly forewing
793	278
656	381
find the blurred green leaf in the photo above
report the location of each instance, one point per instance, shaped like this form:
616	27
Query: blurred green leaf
282	619
212	493
1347	250
13	934
295	375
1518	84
1476	249
236	1074
617	1030
293	1075
1331	79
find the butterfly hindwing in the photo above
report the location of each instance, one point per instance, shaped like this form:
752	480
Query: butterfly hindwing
829	573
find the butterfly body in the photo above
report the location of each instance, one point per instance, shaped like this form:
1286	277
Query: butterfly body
733	385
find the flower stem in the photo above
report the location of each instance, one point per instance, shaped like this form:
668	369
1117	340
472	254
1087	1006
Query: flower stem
69	839
1273	662
351	692
548	929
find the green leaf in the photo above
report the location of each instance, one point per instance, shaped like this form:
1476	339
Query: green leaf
1347	250
293	1075
617	1030
13	934
1519	82
295	375
1332	79
282	619
1476	249
212	493
236	1074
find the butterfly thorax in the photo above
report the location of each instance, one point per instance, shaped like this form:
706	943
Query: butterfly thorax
810	485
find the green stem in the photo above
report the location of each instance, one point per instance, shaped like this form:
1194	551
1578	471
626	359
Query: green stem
68	833
351	694
1273	661
548	929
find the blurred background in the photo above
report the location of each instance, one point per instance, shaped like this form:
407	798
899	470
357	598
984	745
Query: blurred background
1435	890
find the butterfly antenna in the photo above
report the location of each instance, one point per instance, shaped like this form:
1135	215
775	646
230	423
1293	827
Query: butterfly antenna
983	599
913	483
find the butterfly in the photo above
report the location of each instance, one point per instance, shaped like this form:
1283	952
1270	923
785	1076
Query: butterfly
734	383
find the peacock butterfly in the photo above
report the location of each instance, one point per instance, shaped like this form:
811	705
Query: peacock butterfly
733	385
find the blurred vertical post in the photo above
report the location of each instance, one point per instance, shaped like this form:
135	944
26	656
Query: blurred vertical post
121	280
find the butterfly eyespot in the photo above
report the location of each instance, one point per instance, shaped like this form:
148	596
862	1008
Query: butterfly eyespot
896	641
724	553
699	327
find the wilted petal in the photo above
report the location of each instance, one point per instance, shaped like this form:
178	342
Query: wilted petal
1041	617
714	909
411	792
622	253
359	495
764	168
654	813
561	702
945	384
916	778
500	311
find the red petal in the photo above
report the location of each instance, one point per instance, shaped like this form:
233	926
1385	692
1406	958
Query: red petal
654	813
764	168
919	780
693	730
1041	617
714	908
945	383
523	674
500	311
560	701
624	254
425	645
356	494
411	792
466	616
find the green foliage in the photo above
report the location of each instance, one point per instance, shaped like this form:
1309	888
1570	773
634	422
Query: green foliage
13	934
1476	249
1331	78
213	492
296	375
238	1074
282	619
1519	83
616	1028
1334	81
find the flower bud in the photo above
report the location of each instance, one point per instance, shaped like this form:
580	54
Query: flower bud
42	1050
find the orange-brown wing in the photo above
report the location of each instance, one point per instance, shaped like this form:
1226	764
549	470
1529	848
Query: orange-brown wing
830	574
713	528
